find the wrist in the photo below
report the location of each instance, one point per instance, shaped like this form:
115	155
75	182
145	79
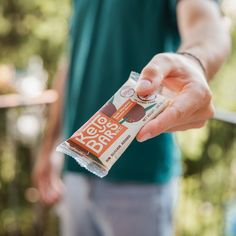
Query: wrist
45	153
195	59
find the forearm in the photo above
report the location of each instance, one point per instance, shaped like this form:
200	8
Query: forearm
53	126
203	34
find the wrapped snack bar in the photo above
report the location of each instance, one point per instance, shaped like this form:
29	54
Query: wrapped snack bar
100	142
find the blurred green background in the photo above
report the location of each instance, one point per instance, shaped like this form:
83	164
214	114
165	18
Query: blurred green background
208	189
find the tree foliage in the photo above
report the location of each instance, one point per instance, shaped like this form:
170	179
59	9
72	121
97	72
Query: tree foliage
33	27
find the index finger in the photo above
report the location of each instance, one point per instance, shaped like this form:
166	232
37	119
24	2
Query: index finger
181	109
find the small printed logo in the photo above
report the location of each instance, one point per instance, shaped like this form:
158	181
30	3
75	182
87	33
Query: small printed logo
148	97
127	92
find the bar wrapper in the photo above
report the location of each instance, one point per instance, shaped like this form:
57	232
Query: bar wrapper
100	142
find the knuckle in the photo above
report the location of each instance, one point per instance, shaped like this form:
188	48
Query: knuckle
156	127
149	71
177	113
156	57
211	111
206	94
165	57
153	129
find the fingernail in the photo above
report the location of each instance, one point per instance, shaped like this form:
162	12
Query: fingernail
145	137
144	84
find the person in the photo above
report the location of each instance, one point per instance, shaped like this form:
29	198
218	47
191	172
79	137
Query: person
177	44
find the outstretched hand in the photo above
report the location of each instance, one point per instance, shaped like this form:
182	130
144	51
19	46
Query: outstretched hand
48	182
190	107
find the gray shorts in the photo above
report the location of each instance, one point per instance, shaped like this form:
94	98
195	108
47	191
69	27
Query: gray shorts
94	207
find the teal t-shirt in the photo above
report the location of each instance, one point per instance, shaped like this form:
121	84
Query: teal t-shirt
109	39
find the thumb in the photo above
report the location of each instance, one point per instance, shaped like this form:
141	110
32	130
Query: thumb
153	73
148	82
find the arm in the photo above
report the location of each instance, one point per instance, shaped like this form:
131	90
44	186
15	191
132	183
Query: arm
203	33
53	127
45	176
204	36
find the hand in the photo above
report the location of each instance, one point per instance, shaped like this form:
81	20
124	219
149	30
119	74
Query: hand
191	105
47	180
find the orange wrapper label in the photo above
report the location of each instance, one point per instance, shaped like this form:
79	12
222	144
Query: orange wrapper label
123	110
98	134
